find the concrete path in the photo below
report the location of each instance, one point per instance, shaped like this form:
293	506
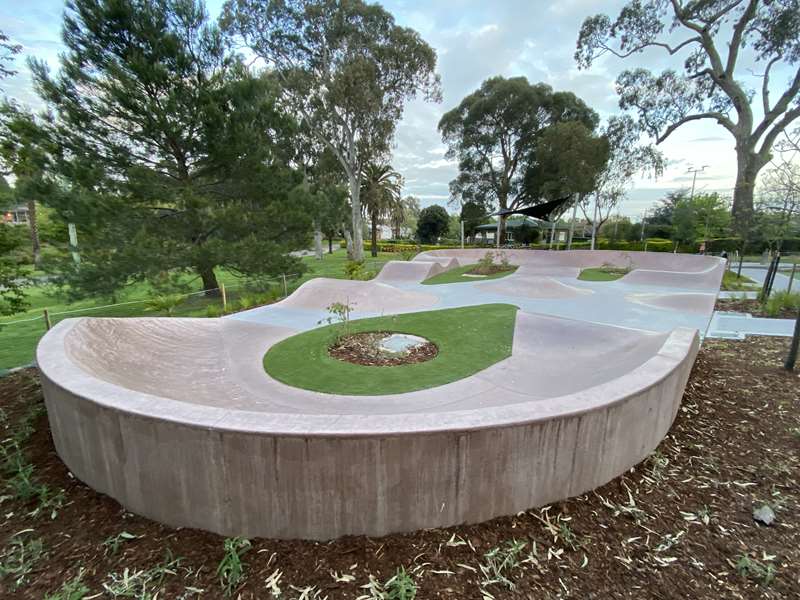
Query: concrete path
738	326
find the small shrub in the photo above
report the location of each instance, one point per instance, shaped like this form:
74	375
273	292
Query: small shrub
19	559
408	254
142	584
780	301
401	586
74	589
113	543
356	269
166	303
499	563
213	311
339	312
231	568
755	570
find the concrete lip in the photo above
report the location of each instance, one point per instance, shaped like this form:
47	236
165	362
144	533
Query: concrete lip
177	420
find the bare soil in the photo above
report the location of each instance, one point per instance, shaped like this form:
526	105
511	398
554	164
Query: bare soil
677	526
364	349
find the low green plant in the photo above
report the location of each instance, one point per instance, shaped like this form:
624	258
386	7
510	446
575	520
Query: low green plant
339	312
401	586
407	254
142	584
762	573
20	557
166	303
74	589
357	269
231	568
247	302
499	563
780	301
214	311
112	544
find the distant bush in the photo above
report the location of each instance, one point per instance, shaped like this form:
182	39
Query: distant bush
780	301
164	303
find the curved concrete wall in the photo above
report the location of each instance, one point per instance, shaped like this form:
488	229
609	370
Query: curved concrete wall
254	470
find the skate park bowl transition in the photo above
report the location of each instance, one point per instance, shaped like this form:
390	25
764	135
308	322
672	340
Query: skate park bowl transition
178	420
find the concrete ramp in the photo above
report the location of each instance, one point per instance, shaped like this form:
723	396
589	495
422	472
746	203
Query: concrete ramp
365	296
409	271
532	287
708	279
689	302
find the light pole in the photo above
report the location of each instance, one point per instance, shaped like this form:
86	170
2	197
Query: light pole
695	171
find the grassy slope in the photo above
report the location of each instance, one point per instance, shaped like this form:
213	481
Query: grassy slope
469	340
732	283
457	276
18	341
600	274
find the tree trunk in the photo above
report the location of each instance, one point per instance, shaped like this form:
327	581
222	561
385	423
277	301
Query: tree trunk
748	166
349	243
374	224
330	244
791	359
33	225
317	240
210	283
500	238
357	242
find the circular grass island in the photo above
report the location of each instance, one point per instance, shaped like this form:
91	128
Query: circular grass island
467	340
469	273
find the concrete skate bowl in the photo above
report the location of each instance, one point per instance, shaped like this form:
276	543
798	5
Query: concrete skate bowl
414	271
680	271
177	420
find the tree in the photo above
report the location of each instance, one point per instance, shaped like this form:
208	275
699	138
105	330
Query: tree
432	224
380	192
703	217
26	153
777	213
713	36
493	133
12	277
176	154
404	214
8	50
346	68
473	214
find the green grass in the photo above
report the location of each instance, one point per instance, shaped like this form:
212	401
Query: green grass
18	341
732	283
602	274
469	340
458	276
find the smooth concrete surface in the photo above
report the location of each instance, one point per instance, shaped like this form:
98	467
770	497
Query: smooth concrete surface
177	420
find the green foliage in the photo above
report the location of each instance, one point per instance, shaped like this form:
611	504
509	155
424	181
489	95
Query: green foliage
193	170
499	564
141	584
113	543
380	195
166	303
762	573
432	224
346	68
401	586
407	254
74	589
12	277
356	269
231	568
19	558
339	313
493	134
780	301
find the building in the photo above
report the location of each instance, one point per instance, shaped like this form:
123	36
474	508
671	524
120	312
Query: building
485	234
16	216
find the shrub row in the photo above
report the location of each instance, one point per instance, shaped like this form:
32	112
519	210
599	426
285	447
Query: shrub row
729	244
652	245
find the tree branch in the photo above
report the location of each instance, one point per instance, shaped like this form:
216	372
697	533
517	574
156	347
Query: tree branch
717	116
738	32
670	49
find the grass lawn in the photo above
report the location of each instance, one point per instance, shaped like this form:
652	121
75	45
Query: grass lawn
18	341
602	274
459	276
469	340
732	283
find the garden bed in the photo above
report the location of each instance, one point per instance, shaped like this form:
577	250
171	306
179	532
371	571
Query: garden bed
677	526
367	349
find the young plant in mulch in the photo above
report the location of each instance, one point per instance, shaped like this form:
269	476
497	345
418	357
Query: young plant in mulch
491	263
231	568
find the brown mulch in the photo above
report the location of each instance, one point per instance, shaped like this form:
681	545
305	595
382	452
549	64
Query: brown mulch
364	349
677	526
754	307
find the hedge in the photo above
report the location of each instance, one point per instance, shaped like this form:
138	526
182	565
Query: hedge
653	245
730	244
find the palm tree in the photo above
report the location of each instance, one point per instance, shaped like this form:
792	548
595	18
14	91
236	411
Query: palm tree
380	192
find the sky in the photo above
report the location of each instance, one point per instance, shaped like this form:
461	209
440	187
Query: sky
475	40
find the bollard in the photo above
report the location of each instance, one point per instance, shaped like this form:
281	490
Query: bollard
47	320
224	298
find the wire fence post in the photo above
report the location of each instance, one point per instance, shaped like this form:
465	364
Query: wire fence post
47	323
224	297
285	289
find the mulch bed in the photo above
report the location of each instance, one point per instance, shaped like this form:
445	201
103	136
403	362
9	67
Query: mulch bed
364	349
677	526
754	307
